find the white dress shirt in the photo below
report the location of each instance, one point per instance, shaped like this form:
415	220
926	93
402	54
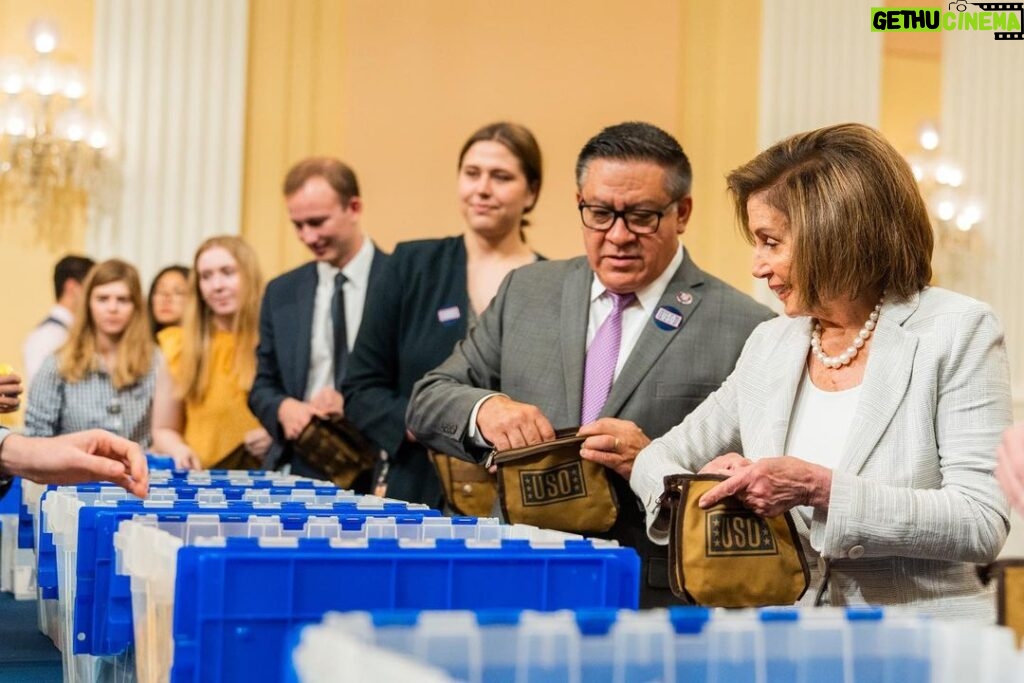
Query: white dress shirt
45	339
633	316
321	340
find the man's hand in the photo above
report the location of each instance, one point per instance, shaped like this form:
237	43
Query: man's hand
613	443
294	415
1010	470
93	455
727	464
327	402
511	424
771	486
10	391
257	442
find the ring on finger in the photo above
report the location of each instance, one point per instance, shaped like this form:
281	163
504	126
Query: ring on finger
616	446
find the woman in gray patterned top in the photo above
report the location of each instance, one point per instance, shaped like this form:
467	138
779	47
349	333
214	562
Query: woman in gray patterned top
104	374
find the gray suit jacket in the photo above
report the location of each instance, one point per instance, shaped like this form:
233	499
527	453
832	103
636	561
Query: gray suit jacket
914	502
531	344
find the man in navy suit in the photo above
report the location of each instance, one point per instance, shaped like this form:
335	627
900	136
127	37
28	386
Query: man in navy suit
310	316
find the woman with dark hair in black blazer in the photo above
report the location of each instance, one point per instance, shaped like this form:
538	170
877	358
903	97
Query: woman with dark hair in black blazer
436	289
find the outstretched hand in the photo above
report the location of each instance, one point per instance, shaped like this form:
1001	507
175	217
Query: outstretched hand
92	455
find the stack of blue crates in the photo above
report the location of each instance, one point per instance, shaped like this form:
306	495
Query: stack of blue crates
252	556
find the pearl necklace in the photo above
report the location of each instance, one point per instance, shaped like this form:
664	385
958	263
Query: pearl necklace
850	353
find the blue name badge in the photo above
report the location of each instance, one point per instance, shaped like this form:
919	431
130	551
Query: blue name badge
668	318
449	315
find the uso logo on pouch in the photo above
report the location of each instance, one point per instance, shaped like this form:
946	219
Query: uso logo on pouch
541	487
738	532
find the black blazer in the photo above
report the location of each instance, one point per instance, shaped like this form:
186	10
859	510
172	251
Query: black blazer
282	357
409	328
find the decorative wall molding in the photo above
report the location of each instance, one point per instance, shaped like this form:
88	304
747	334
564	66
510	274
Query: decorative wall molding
172	78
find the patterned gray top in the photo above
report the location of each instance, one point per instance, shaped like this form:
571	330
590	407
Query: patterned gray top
56	406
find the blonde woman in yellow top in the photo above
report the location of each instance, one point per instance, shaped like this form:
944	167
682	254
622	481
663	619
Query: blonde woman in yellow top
199	408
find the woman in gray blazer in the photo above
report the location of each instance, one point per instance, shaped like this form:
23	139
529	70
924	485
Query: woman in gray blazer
874	407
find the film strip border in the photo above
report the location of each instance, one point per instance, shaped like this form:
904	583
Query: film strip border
1005	7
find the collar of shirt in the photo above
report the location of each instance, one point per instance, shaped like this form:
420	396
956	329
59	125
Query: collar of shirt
357	270
649	296
633	317
62	314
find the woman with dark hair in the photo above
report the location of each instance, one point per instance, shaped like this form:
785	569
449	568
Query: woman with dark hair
436	289
874	406
166	302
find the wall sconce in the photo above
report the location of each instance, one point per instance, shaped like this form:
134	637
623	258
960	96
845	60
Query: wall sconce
55	152
955	214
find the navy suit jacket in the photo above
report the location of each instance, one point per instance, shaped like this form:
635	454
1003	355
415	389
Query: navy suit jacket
409	328
282	357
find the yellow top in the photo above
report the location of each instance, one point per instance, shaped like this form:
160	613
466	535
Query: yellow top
217	424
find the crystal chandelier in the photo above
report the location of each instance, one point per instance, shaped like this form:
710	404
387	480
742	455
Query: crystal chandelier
55	154
955	214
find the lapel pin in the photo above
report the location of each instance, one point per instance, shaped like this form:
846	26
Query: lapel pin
685	298
448	315
668	318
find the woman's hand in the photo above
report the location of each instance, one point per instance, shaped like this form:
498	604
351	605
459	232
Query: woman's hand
257	442
613	443
10	390
1010	470
727	464
184	457
771	486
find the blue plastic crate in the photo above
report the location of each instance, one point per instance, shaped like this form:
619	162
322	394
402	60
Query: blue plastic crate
103	609
235	604
11	501
183	490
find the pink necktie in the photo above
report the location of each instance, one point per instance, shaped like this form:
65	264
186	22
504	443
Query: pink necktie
602	356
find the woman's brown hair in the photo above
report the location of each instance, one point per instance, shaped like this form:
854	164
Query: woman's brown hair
193	378
134	357
518	139
858	221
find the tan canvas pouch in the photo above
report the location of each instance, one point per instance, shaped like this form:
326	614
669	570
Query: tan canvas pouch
550	486
336	448
1009	577
728	556
469	489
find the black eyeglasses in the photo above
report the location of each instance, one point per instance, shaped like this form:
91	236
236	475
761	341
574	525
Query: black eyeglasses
637	221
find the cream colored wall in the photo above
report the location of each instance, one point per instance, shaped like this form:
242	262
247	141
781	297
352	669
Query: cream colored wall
26	265
394	88
911	85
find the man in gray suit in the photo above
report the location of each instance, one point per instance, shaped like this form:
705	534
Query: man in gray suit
625	341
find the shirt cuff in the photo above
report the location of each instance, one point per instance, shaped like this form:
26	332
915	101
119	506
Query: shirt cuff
5	479
472	434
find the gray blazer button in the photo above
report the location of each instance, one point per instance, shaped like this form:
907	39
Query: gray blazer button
856	552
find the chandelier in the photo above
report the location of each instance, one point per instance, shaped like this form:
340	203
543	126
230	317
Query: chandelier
55	153
954	212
